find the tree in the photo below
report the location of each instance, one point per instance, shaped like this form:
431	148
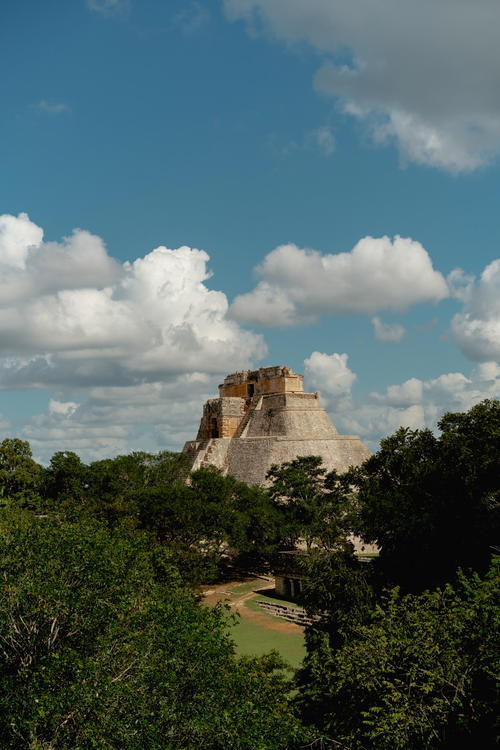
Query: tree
207	520
19	473
113	479
66	478
101	647
432	503
297	489
315	506
254	530
420	672
113	482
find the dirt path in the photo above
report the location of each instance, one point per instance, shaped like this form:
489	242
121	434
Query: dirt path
223	592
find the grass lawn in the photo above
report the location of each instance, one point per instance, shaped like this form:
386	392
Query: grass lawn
255	640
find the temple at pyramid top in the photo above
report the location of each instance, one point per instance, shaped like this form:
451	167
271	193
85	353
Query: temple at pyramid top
265	380
263	417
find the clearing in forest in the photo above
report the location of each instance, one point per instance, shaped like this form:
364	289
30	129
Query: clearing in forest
256	632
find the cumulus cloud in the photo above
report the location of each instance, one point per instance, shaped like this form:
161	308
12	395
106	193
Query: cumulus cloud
403	395
431	398
423	75
70	314
118	419
388	332
419	403
415	403
379	273
129	351
477	327
17	235
31	268
330	375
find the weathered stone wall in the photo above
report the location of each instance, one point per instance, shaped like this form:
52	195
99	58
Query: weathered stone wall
290	414
249	459
211	452
265	380
221	418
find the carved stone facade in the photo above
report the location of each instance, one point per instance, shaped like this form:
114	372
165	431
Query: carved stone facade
263	417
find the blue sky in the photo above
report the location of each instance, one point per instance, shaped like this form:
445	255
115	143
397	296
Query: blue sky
236	127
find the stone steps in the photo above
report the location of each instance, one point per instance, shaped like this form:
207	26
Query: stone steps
297	615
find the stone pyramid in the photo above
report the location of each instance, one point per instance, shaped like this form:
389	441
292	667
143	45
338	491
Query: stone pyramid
263	417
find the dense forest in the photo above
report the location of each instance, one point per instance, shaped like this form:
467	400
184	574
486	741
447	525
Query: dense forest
104	642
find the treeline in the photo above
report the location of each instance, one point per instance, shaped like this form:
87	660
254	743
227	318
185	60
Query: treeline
207	521
103	642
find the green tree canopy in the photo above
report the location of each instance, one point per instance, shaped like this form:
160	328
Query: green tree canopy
66	478
433	503
420	672
314	506
20	474
100	647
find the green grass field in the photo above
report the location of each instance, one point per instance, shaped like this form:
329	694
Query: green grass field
255	640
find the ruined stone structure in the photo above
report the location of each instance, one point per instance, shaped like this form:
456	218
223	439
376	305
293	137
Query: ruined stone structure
263	417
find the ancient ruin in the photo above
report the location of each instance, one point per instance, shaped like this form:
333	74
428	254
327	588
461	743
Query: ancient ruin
263	417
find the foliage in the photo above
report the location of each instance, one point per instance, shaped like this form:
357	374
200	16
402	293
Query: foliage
111	480
207	519
338	588
187	521
314	507
432	503
20	475
419	674
255	525
200	520
65	479
100	647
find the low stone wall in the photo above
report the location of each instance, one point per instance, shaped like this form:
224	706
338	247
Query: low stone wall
293	614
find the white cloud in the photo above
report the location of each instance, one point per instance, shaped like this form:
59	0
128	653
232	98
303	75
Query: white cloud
64	408
131	351
420	403
322	139
331	376
404	395
31	268
477	327
70	314
421	74
52	108
108	7
298	284
192	19
17	235
119	419
414	403
388	332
